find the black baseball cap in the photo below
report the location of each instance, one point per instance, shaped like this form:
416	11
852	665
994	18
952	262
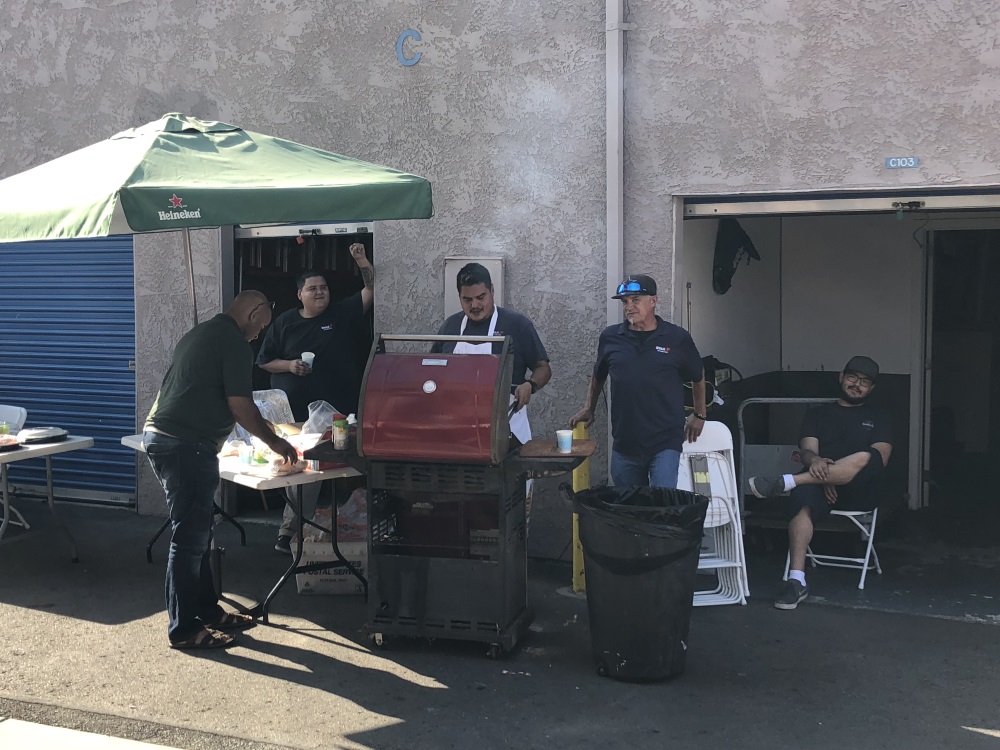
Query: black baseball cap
637	283
863	366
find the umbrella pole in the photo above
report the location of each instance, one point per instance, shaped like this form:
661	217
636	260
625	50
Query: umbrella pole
190	265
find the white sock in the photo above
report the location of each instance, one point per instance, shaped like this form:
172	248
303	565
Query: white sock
797	575
789	482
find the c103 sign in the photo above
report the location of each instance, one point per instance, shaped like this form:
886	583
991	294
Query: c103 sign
902	162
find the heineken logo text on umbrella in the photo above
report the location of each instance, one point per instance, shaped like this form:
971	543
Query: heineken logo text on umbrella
178	203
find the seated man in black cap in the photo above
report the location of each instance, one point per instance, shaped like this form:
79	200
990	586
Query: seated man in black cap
844	447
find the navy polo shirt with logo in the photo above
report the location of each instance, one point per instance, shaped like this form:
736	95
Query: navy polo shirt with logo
647	373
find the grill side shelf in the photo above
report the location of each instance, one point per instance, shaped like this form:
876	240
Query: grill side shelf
324	451
539	458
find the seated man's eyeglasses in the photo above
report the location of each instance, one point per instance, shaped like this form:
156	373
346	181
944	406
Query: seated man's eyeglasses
855	379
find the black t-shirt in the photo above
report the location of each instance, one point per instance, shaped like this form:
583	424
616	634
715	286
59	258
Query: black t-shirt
843	430
528	349
210	364
648	373
331	336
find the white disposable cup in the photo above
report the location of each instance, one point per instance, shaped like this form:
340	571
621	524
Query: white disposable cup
246	453
564	441
308	358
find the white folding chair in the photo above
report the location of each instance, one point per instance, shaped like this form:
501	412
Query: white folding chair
707	466
14	417
865	522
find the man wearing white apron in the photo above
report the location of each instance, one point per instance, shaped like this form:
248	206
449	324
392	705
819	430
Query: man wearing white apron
481	317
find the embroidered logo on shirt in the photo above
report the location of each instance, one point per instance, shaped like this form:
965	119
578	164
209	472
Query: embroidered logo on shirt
327	327
868	424
663	349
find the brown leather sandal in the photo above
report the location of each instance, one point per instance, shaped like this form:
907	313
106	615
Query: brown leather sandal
206	638
233	621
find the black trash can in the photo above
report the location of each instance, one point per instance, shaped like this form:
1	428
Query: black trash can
640	551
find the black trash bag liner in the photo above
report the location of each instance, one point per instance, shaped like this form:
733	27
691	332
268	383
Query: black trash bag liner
640	550
657	511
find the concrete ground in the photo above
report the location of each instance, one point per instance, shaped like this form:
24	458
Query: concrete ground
83	646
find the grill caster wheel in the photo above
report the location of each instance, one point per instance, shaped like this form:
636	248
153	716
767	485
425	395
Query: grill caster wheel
495	651
602	670
378	640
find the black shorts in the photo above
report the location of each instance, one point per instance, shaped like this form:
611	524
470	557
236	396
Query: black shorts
861	494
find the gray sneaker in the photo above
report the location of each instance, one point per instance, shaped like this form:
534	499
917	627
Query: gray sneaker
284	544
793	593
767	486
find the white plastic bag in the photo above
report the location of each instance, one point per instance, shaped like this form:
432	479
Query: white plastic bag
273	406
352	517
320	417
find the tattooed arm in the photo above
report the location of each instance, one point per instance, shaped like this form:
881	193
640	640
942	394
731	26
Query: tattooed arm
367	273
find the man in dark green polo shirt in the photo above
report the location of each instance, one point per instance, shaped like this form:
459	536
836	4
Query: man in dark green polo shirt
206	391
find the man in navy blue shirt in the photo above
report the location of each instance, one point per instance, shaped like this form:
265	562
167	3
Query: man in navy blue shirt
649	360
480	316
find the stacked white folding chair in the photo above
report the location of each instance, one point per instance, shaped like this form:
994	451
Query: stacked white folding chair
712	453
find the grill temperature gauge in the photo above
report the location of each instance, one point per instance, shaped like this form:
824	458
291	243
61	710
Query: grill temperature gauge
430	386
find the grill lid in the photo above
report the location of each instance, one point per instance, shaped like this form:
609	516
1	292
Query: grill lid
436	407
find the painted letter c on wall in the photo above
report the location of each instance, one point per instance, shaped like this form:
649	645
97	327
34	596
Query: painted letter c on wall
400	41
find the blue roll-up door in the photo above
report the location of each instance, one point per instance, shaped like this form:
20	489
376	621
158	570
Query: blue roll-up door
67	352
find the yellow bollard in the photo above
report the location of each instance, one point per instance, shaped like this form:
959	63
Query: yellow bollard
581	481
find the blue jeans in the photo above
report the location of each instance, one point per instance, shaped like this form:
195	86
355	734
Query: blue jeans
189	474
656	470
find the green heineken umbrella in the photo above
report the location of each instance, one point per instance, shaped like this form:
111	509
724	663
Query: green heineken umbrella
182	173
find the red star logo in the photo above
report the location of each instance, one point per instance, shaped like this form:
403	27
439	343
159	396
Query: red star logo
176	202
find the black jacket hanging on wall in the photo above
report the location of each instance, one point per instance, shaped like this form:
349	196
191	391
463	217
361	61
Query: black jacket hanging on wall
732	245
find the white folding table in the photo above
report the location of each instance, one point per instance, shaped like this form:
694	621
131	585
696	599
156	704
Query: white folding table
46	451
233	470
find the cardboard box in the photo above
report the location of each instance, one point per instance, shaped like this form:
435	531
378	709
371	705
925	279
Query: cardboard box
352	538
337	580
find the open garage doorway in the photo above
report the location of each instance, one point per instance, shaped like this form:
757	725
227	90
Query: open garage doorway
856	274
964	390
910	283
825	288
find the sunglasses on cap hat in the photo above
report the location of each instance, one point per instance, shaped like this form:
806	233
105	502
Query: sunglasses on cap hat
638	284
632	286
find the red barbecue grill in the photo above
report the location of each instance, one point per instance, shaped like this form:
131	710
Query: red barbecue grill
447	554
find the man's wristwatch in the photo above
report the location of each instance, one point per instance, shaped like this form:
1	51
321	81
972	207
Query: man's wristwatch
533	384
696	415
